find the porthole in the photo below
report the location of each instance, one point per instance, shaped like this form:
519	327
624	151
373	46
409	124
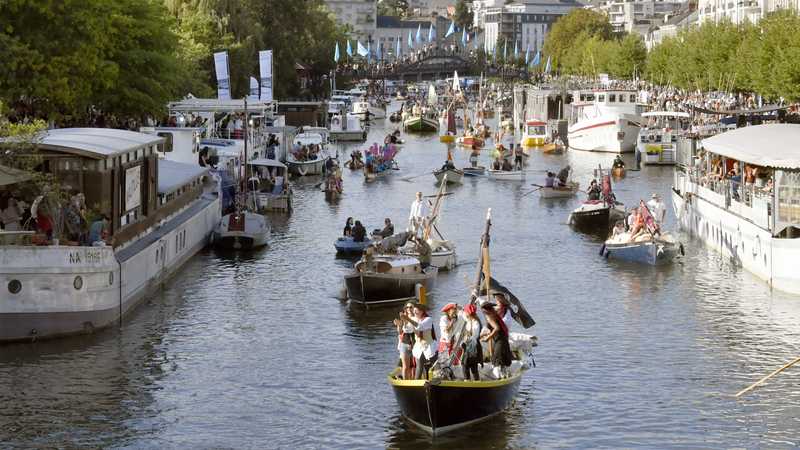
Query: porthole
77	283
110	278
14	286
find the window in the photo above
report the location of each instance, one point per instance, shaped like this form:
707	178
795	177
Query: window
601	98
633	98
612	98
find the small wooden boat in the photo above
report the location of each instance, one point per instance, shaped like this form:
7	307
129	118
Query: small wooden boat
454	176
552	149
505	175
559	192
421	124
596	215
474	171
645	249
387	279
345	245
618	172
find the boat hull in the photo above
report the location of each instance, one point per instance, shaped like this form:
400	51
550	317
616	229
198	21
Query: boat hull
609	134
453	176
597	219
374	289
54	303
654	253
474	171
566	192
303	168
439	407
421	125
533	141
502	175
347	246
349	136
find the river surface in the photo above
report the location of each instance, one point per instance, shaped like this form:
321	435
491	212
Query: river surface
256	350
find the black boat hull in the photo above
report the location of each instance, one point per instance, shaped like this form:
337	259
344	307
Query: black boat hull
440	407
596	219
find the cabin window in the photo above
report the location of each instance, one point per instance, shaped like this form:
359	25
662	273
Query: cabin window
601	98
633	98
77	283
612	98
788	184
14	286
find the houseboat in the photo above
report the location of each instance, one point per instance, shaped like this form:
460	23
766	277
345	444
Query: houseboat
740	194
657	141
605	121
160	213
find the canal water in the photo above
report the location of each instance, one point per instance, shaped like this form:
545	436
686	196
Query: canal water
257	351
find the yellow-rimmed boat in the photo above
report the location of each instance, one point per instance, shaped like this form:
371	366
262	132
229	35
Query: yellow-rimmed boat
440	406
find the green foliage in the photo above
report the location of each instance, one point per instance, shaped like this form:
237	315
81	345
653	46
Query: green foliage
568	30
396	8
463	15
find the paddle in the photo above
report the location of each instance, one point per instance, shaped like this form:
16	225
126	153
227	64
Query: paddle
761	381
531	192
416	176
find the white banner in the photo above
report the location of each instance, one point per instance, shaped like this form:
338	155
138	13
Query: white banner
133	187
253	89
223	77
265	67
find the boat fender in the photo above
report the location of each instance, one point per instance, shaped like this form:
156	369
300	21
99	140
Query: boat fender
680	247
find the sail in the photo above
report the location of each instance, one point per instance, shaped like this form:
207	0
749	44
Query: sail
433	99
456	83
451	122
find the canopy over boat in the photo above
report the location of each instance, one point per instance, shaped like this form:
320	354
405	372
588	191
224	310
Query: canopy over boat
739	112
266	162
771	145
681	114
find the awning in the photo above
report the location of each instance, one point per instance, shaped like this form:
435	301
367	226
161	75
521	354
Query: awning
10	175
739	112
770	145
265	162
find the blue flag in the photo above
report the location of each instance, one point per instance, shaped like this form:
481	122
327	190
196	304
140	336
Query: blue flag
528	55
410	42
349	48
516	52
494	53
464	37
430	33
397	51
369	50
505	49
419	33
378	51
538	58
360	49
450	30
547	66
336	53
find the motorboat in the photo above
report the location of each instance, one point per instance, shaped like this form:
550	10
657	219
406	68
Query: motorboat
309	164
605	121
241	230
657	141
535	134
369	110
269	188
347	128
646	249
387	279
559	192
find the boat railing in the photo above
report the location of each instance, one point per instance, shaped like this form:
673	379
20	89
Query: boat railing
746	200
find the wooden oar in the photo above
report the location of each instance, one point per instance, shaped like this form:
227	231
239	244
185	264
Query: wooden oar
531	192
761	381
416	176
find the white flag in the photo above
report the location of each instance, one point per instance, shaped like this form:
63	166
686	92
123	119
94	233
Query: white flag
223	78
265	66
253	89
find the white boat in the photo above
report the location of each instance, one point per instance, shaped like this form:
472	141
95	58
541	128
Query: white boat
535	134
271	190
347	128
316	136
443	254
161	213
506	175
606	121
364	108
657	141
242	230
757	225
645	249
454	176
560	192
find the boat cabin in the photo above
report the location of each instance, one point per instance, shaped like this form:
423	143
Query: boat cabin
536	128
390	264
270	186
117	172
753	172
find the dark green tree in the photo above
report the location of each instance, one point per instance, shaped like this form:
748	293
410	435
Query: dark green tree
566	30
463	15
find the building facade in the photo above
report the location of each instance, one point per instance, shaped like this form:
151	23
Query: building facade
635	15
391	29
360	15
523	24
739	11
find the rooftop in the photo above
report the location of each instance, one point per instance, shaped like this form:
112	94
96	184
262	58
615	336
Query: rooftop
98	143
172	175
396	22
770	145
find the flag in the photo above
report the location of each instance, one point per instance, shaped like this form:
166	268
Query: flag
378	52
223	76
494	53
516	52
527	55
369	50
419	33
450	30
410	42
265	71
505	49
253	89
349	48
336	53
360	49
397	52
514	305
547	66
430	33
464	37
538	58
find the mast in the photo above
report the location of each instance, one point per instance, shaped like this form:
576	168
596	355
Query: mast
484	253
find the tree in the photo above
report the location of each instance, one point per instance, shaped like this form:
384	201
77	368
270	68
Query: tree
463	15
395	8
561	38
629	57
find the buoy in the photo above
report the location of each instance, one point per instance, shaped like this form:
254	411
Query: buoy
421	296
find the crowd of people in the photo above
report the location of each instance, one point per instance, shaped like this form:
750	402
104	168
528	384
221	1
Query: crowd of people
461	338
307	152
